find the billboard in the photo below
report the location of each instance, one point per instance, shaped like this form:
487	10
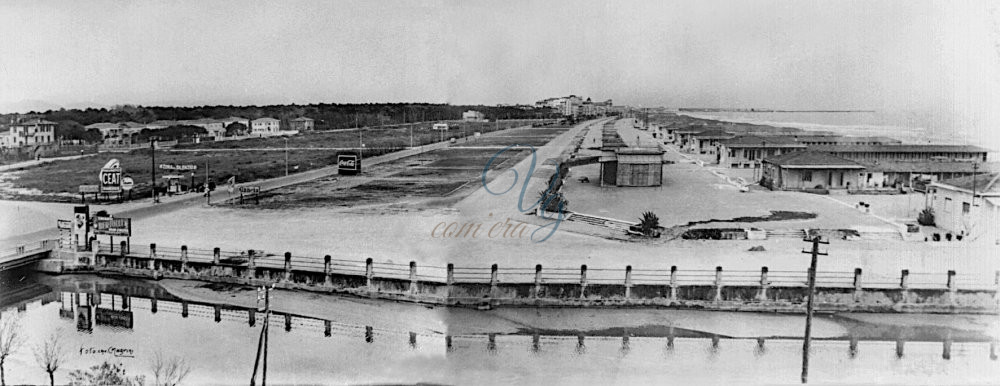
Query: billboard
348	164
113	318
113	226
111	177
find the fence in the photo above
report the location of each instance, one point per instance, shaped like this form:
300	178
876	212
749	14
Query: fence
627	276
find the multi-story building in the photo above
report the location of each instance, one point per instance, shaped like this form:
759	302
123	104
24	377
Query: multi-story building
265	125
29	132
302	124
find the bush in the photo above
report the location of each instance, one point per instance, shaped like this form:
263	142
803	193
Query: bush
650	224
926	217
767	183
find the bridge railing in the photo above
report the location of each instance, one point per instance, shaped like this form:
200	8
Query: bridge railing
494	274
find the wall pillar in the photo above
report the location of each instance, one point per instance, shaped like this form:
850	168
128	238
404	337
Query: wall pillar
152	257
946	349
494	281
369	275
124	256
288	322
904	285
583	281
413	278
216	254
952	289
538	281
673	283
288	266
413	340
152	305
327	328
852	350
218	313
628	281
251	264
718	283
900	343
858	287
450	278
252	317
764	285
326	271
993	350
184	259
184	308
369	334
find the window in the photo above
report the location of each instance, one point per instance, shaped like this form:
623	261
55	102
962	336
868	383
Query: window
807	176
965	208
947	205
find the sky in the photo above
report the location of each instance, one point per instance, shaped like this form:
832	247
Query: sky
941	57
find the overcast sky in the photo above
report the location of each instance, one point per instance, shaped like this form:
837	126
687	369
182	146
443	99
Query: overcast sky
786	54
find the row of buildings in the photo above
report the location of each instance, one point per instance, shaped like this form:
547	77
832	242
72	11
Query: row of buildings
124	132
576	106
797	160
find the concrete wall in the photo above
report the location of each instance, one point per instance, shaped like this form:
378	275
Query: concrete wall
741	292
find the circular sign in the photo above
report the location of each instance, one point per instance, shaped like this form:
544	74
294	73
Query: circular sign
127	183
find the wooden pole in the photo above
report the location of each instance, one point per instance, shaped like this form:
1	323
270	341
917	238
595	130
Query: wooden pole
816	241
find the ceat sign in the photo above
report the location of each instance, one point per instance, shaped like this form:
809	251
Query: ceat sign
348	164
111	177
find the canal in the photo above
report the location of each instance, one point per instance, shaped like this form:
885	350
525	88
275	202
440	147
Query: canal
342	340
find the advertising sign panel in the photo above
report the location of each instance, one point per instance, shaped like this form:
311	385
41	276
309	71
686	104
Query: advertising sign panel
127	183
113	226
111	177
250	189
113	318
348	164
178	167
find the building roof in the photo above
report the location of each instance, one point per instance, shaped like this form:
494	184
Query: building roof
269	119
929	167
984	183
755	141
812	160
34	121
639	151
713	133
302	119
901	148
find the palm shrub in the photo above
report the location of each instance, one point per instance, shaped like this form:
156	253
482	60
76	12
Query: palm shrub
926	217
552	202
649	224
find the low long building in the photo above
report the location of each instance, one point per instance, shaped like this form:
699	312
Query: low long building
748	151
800	170
896	153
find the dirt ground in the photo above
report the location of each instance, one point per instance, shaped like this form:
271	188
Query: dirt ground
433	179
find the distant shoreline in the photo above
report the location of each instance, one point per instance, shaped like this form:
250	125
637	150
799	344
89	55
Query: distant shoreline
754	110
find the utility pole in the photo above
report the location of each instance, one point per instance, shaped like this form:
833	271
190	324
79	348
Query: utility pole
152	153
208	192
286	156
263	293
816	241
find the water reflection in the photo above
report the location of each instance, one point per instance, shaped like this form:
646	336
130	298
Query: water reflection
101	310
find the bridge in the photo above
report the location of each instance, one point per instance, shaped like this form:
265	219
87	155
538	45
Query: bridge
22	255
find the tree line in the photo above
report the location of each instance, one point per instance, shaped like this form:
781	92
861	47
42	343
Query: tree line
327	116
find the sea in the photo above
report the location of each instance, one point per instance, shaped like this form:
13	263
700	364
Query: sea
907	126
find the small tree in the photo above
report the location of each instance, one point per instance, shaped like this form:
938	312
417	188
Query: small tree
105	374
169	371
649	224
926	217
50	356
10	340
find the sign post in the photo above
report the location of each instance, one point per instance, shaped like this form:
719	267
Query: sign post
255	190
